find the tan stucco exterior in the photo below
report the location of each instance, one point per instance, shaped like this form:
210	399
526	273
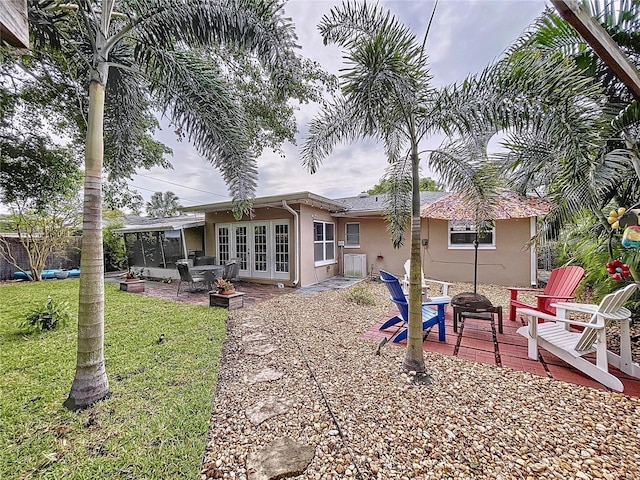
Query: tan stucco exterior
193	238
509	263
375	242
310	273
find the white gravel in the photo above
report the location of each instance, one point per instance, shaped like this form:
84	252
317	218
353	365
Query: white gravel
367	421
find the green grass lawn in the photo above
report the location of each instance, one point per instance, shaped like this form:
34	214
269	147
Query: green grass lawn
154	424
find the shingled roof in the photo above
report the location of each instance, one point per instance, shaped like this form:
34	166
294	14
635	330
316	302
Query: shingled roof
365	204
509	204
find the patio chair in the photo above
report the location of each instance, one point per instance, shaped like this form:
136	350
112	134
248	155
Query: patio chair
560	287
430	317
231	270
185	276
571	346
426	283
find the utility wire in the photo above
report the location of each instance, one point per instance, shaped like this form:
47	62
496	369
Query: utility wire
183	186
181	198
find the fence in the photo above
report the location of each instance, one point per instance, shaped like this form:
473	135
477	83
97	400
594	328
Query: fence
67	260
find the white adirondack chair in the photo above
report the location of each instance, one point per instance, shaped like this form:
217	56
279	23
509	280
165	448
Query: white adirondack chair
444	286
554	336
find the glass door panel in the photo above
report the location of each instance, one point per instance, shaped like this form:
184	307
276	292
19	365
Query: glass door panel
242	248
260	250
281	247
223	244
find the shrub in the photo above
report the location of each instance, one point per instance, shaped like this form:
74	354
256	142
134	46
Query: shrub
47	317
360	295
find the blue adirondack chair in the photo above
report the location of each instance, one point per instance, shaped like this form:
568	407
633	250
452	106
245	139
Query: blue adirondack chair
430	317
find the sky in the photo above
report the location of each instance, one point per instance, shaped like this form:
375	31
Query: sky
465	37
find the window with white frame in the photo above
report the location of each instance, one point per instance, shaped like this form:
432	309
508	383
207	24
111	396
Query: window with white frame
352	235
462	234
323	242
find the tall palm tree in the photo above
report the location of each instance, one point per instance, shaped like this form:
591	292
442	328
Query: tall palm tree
136	52
165	204
386	95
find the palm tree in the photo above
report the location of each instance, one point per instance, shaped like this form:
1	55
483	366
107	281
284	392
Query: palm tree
386	95
594	162
163	205
155	51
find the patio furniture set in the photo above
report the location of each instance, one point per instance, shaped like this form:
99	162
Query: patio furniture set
205	275
581	344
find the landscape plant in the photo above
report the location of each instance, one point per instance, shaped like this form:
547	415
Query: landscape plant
385	95
48	316
115	254
165	204
593	164
360	295
42	232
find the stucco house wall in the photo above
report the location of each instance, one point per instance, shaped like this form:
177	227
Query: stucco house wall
212	219
508	264
375	242
309	272
194	238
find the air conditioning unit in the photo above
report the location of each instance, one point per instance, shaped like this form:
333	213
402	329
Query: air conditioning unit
355	265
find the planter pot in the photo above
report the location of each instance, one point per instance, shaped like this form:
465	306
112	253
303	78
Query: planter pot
133	285
231	301
227	292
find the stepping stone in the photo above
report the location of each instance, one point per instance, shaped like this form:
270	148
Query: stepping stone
265	375
260	350
255	337
251	325
266	409
281	458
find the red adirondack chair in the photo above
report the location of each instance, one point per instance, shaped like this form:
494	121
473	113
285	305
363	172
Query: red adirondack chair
560	287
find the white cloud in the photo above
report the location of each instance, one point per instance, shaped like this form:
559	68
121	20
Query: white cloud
466	35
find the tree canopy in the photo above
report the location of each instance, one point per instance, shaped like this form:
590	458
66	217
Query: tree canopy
385	185
165	204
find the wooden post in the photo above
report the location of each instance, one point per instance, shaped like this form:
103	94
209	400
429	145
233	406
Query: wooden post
604	46
14	26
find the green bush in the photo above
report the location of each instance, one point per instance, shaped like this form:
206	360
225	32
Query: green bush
115	255
47	317
360	295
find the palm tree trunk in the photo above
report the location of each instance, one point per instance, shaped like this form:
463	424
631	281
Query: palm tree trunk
414	356
90	383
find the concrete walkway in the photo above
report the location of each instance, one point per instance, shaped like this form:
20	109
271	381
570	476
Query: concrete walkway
333	283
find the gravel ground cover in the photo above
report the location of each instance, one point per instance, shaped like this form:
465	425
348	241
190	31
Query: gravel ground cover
367	420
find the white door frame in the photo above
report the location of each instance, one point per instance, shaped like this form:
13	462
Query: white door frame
251	263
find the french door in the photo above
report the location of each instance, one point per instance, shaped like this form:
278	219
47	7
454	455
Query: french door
262	247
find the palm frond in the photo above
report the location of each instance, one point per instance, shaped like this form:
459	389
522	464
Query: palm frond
398	200
252	25
336	123
386	71
198	100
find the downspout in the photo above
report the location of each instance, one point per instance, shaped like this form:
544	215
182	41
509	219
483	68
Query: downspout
184	243
296	229
534	252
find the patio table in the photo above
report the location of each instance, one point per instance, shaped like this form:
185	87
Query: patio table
210	272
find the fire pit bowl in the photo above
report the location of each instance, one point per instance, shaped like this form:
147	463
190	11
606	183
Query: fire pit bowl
470	300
